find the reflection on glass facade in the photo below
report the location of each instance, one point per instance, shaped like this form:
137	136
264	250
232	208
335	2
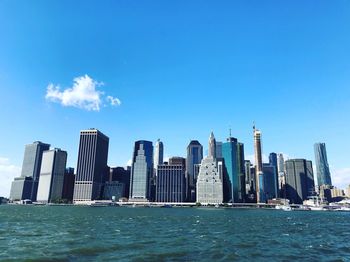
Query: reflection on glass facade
229	153
194	157
322	167
141	170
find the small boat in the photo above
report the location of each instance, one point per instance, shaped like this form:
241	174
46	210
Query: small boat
284	207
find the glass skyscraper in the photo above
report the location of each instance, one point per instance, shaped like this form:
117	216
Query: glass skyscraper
322	167
194	158
230	155
92	170
141	171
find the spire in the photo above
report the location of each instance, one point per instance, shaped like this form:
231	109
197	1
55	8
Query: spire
212	146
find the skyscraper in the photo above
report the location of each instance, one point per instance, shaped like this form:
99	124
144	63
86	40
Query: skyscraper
281	173
26	186
209	183
170	186
158	153
51	179
218	149
274	163
241	172
230	155
322	167
299	180
92	169
141	171
194	157
258	165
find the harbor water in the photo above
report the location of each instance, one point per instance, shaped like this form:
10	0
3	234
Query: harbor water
73	233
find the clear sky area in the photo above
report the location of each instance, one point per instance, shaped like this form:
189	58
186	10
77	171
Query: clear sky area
175	70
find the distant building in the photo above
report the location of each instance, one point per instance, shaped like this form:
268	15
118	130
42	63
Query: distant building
273	161
322	167
170	185
68	185
232	183
121	175
30	172
299	180
92	170
259	181
52	175
209	184
270	184
347	191
113	190
142	171
281	173
158	153
194	157
241	172
218	149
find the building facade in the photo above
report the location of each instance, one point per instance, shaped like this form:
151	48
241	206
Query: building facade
30	173
299	180
92	169
158	153
258	166
232	181
194	157
68	185
142	171
51	179
170	185
322	167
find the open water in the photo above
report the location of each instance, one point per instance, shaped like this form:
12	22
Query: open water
71	233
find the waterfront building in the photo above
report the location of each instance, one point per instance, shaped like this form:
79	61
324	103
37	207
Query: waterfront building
232	183
170	183
30	173
281	173
273	161
270	184
141	171
218	149
51	179
347	191
194	157
92	169
121	175
322	167
259	180
113	190
209	183
299	180
68	185
241	172
158	154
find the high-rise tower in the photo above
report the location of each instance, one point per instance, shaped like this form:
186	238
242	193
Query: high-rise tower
92	170
158	154
26	186
141	171
322	167
212	146
193	159
258	165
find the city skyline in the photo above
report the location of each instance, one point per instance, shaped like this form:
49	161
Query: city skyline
148	71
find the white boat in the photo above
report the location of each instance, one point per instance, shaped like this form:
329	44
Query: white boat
284	207
317	208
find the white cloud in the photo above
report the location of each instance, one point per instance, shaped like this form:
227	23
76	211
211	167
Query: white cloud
8	172
129	163
113	101
83	94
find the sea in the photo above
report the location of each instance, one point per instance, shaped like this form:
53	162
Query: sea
82	233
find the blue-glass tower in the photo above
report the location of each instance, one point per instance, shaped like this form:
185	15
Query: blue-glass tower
322	167
229	153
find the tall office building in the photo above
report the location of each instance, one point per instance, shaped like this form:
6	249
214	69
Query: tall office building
209	183
170	186
322	167
270	183
141	171
281	172
241	172
92	169
68	185
121	175
51	179
193	159
258	165
158	153
273	161
299	180
232	183
26	186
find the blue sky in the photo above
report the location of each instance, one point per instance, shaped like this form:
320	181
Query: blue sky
180	70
